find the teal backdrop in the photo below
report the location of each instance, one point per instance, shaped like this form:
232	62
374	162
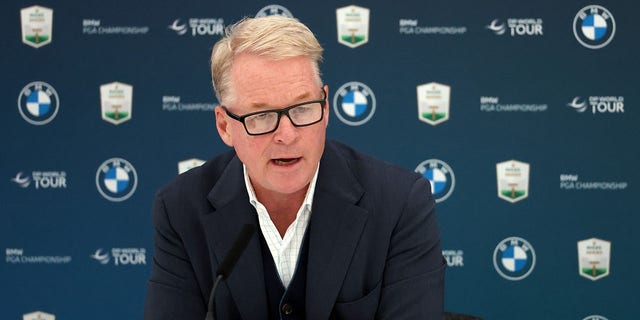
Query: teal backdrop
552	85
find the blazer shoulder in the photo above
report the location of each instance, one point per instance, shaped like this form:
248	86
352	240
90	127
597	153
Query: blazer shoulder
369	168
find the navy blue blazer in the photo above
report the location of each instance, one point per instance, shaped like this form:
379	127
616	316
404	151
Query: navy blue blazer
374	243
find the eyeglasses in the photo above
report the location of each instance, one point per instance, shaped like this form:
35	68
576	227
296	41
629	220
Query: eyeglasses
267	121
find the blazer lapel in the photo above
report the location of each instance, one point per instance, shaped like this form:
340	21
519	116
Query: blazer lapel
221	226
335	227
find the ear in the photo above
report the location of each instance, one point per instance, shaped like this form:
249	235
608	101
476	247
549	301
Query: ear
326	107
222	124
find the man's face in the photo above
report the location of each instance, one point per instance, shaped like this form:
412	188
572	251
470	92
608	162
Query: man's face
282	162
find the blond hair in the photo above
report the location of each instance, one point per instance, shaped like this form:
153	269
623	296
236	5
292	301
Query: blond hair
274	37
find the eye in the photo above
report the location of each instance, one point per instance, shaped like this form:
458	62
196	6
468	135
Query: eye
263	116
302	109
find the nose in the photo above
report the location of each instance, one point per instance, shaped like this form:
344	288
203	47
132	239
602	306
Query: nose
286	132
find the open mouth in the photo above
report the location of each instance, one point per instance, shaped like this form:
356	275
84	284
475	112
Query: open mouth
285	161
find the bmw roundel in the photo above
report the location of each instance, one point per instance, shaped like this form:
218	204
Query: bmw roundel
441	177
514	258
594	26
116	179
354	103
38	103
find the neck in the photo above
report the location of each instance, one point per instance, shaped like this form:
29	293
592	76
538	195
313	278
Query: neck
282	208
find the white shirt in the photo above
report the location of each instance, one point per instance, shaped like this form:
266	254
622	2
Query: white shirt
284	250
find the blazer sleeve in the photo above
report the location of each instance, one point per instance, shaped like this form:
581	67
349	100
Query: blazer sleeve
172	290
413	283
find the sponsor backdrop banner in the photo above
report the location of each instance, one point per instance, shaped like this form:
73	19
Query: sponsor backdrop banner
523	115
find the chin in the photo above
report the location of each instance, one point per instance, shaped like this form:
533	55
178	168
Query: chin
286	187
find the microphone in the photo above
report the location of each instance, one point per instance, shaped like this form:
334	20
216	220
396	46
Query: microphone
229	261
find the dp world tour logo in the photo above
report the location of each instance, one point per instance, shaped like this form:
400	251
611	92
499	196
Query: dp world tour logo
102	257
38	103
440	176
578	104
179	28
354	103
514	258
594	26
116	179
497	27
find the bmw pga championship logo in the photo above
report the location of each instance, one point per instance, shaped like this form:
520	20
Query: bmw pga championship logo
514	258
441	177
116	179
594	26
38	103
354	103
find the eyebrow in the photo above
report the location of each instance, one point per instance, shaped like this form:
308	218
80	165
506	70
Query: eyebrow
300	98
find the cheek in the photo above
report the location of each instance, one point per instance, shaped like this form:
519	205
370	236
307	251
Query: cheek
317	140
249	149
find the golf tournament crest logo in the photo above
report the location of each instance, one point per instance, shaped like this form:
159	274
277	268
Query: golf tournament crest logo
513	180
594	27
116	102
38	315
514	258
274	10
441	177
433	103
186	165
353	26
37	26
593	258
116	179
354	103
38	103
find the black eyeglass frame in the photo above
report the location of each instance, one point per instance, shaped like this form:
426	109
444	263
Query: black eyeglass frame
280	112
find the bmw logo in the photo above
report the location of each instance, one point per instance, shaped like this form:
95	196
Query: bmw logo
274	10
38	103
116	179
514	258
594	26
354	103
441	177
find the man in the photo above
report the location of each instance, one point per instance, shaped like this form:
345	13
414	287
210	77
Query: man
340	235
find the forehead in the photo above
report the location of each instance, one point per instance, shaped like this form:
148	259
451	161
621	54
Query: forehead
261	82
